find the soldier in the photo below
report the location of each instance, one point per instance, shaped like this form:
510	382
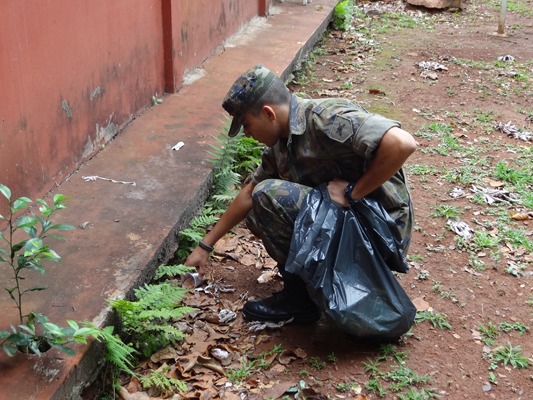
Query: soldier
308	142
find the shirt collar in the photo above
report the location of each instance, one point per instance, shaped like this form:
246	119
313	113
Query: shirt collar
297	119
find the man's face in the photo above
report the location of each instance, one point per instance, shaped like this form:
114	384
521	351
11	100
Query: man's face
261	127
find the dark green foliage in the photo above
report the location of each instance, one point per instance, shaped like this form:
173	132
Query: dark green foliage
171	271
343	15
118	353
234	159
518	177
34	332
148	320
160	381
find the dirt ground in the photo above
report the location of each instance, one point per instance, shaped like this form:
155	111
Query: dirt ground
479	291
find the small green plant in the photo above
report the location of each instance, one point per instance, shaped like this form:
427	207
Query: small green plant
516	326
509	355
403	377
446	211
332	357
23	256
264	359
389	351
343	15
158	380
399	379
488	333
492	378
372	366
347	85
374	386
422	394
518	177
476	263
436	319
418	169
416	257
517	237
345	387
316	363
484	116
35	333
484	240
148	319
462	175
237	375
437	286
439	128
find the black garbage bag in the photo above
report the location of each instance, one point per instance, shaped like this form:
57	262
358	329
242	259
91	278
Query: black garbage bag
345	257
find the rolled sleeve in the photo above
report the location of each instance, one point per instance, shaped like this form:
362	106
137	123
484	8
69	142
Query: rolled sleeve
370	132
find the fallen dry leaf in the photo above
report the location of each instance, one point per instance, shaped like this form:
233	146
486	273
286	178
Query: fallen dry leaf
247	260
421	304
278	369
278	390
211	364
517	216
287	356
168	353
300	353
494	183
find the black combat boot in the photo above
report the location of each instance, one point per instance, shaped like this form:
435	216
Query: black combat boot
292	302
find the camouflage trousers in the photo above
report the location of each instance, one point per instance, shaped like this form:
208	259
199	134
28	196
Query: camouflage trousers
276	204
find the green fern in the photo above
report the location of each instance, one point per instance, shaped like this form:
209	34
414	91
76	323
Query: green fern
189	237
160	381
234	159
148	320
171	271
159	296
118	353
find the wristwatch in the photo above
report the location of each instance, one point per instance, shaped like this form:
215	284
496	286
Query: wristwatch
348	193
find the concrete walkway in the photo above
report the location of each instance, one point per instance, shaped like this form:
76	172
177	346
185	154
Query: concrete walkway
129	229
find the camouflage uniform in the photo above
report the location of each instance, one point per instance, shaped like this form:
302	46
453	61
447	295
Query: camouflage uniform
328	138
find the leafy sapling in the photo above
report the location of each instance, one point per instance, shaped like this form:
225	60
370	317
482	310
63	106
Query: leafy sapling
25	251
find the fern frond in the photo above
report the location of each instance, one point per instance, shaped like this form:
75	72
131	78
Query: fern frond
225	198
160	381
204	220
168	331
165	314
119	353
172	270
158	296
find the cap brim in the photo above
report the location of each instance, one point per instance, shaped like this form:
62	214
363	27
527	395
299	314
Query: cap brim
236	126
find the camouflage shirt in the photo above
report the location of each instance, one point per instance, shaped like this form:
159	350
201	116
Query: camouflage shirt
335	138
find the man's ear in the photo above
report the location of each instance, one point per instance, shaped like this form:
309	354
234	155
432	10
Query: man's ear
270	112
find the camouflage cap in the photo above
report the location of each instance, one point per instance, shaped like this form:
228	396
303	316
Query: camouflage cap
247	89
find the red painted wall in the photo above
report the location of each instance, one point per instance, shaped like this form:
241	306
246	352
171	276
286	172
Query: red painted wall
199	27
73	73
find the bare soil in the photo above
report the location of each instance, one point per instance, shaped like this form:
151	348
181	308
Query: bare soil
470	285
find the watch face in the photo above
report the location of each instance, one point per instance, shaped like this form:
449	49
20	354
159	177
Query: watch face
348	191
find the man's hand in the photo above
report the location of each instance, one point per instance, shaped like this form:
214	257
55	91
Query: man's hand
198	258
235	213
336	191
